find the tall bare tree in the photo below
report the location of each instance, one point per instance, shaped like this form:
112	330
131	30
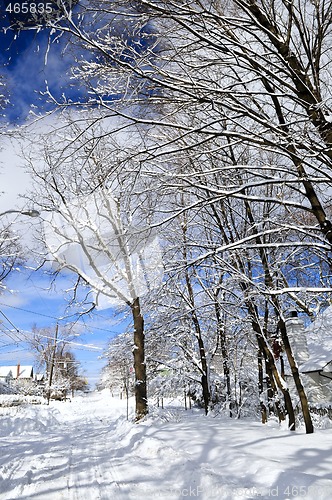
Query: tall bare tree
96	224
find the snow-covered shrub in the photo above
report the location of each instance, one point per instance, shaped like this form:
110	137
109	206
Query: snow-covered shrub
7	400
7	389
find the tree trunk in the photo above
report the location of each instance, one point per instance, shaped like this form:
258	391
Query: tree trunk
277	378
224	353
274	393
261	387
202	352
205	376
296	376
139	362
270	285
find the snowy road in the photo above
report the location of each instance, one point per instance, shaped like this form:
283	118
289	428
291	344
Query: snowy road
59	454
86	450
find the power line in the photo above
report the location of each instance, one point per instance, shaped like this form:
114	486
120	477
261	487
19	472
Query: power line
9	333
3	314
54	317
34	312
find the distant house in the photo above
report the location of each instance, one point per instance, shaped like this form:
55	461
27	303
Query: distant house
20	373
312	349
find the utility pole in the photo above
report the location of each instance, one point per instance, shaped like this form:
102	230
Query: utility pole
52	364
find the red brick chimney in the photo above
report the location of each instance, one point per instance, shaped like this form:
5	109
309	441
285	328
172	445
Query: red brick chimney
18	370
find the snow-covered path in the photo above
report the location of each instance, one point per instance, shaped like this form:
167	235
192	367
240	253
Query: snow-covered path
60	452
87	450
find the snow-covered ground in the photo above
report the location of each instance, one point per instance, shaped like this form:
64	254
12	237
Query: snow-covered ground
86	449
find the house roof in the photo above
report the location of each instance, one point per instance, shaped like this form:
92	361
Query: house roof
323	322
319	340
318	360
11	371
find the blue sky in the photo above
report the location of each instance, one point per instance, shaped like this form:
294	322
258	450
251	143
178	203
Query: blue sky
28	300
28	68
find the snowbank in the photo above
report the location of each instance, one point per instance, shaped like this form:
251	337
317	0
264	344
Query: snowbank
19	399
87	449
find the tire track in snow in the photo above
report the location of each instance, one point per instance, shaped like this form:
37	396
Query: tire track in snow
88	475
8	474
62	453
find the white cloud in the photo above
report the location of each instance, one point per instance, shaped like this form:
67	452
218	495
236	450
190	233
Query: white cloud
13	179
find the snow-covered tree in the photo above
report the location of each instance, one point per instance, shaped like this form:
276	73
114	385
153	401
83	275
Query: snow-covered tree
96	224
51	348
235	104
250	72
11	255
118	374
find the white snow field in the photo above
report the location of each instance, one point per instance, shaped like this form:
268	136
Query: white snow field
86	449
